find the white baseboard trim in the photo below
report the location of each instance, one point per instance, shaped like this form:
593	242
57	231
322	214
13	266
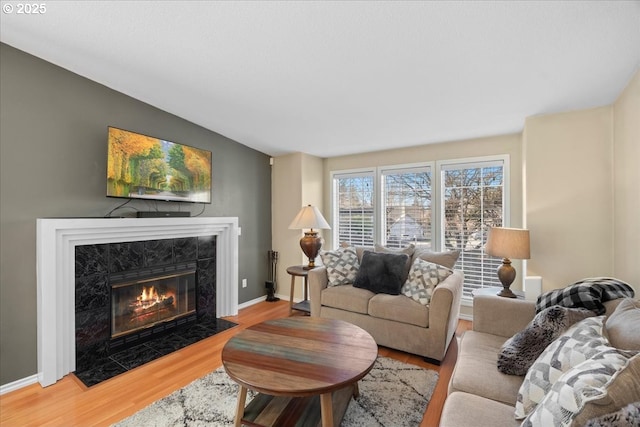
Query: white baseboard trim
252	302
16	385
468	317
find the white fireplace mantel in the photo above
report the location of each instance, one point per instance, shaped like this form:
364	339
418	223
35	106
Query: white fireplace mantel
57	239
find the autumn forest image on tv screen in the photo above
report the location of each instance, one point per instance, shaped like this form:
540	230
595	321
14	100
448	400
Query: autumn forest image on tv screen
144	167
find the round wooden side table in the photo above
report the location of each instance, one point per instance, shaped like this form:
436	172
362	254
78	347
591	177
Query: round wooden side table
299	271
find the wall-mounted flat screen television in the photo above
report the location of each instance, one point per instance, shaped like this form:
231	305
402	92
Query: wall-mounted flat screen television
144	167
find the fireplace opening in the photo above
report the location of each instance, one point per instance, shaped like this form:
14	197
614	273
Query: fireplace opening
146	307
144	303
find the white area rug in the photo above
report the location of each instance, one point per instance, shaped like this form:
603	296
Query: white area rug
393	394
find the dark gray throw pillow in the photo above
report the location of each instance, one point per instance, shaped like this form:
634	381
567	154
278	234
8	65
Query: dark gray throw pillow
382	273
519	352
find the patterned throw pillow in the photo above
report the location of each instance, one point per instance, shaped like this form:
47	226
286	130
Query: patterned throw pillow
575	388
342	265
579	343
423	277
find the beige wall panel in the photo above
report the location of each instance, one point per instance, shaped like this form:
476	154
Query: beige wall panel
286	194
569	200
626	184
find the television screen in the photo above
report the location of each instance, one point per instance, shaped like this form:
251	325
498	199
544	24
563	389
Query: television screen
143	167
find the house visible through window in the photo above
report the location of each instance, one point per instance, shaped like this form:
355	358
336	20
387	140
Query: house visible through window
451	210
407	207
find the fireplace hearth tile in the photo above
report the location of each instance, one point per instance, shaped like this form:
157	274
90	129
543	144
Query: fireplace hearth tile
125	256
133	357
168	344
186	249
99	373
158	252
206	247
92	291
91	259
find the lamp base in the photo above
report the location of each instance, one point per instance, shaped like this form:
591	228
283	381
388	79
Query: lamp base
507	293
310	244
506	274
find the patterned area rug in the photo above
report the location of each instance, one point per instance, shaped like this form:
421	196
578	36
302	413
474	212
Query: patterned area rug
393	394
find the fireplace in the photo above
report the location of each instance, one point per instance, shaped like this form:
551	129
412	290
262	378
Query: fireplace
61	281
137	305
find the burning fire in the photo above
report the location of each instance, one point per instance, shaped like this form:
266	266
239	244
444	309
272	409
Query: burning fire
149	297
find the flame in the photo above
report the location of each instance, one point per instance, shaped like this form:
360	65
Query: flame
149	297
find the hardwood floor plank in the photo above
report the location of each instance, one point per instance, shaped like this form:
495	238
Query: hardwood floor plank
70	403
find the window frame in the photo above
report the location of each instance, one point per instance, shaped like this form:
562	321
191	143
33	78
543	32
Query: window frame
335	213
470	162
437	194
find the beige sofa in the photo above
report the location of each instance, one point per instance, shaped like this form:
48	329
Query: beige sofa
394	321
480	395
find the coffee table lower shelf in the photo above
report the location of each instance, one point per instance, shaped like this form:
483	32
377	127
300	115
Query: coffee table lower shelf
271	411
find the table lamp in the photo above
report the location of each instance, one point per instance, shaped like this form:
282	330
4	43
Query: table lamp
507	243
310	217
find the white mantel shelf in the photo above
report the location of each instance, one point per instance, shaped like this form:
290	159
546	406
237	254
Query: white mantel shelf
57	239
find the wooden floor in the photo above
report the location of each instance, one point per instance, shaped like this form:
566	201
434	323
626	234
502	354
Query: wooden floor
70	403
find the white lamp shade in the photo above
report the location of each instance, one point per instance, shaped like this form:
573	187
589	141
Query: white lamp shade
309	217
508	243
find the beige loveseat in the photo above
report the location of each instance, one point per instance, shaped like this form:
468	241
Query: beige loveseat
480	395
394	321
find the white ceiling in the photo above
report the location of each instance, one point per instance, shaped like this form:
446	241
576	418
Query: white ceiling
331	78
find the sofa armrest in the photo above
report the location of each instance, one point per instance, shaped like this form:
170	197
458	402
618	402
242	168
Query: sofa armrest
318	280
444	308
501	316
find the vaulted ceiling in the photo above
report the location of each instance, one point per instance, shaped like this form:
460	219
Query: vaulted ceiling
341	77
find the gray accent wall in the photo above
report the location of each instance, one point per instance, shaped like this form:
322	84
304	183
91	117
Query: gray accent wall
53	146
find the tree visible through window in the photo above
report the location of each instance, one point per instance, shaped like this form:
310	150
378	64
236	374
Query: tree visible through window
473	202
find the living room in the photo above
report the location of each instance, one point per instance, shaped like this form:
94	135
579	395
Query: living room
572	175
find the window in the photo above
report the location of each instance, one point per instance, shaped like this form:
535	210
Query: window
406	201
472	202
461	199
354	208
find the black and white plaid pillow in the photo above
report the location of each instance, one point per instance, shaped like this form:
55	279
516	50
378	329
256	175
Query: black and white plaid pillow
587	293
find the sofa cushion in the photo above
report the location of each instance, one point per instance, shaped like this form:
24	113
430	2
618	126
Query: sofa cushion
622	327
347	298
446	258
585	382
342	265
579	343
399	308
464	409
520	351
475	371
381	272
423	277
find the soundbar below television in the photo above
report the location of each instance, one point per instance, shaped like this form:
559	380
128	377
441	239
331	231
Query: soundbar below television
144	167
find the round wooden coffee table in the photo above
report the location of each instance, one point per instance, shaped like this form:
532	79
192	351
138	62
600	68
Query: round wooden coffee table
305	368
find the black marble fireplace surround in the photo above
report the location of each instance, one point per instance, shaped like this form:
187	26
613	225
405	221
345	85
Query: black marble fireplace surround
98	357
